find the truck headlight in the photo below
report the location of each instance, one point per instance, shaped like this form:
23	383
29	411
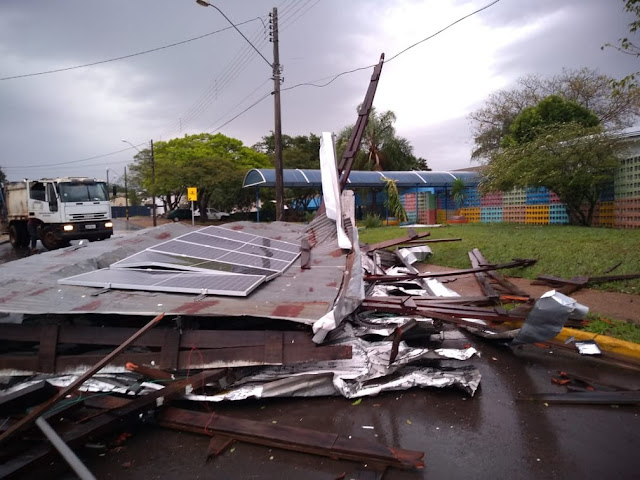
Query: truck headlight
67	228
108	224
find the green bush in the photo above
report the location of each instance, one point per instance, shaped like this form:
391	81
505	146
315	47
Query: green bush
371	220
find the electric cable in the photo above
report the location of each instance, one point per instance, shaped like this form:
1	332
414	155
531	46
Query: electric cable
123	57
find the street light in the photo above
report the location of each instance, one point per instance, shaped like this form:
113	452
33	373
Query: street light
277	131
153	179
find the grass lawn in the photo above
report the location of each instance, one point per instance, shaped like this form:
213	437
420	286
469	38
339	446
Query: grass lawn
563	251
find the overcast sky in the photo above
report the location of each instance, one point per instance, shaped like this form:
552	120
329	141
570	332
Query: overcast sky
67	117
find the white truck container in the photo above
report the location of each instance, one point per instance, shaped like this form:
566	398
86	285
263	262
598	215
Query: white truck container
64	209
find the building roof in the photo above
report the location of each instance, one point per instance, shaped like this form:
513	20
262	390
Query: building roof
262	177
30	285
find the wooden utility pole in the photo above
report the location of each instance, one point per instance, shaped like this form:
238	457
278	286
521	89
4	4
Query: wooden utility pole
126	194
277	133
153	186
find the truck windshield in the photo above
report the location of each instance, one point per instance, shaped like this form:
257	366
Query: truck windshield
83	192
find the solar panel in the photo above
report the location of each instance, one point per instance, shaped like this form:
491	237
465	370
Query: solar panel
162	281
147	259
212	260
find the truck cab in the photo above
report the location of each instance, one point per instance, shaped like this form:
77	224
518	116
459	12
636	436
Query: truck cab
63	209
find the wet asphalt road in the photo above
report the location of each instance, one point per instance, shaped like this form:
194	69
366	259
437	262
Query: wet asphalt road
8	253
490	436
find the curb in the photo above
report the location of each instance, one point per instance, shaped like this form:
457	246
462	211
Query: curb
609	344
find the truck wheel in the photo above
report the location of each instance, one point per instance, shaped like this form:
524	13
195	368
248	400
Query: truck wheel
18	236
49	240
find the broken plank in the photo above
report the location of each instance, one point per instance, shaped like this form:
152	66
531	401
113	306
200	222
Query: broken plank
509	287
47	349
290	438
482	278
42	408
587	398
170	349
218	444
394	241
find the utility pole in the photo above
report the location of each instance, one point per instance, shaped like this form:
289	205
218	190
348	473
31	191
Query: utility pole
126	194
153	185
277	133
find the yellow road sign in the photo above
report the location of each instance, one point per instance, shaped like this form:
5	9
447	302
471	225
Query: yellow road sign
192	194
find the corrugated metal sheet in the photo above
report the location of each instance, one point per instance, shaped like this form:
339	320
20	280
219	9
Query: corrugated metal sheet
29	285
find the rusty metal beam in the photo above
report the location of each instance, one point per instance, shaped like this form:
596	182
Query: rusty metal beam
394	278
291	438
411	235
349	155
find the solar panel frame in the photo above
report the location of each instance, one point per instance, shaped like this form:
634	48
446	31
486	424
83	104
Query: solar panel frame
171	282
212	260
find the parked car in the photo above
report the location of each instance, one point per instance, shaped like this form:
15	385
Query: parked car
185	214
213	214
179	214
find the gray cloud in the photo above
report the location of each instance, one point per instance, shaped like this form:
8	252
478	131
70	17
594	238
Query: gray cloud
73	115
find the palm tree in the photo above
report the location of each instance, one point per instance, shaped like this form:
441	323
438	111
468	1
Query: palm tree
457	193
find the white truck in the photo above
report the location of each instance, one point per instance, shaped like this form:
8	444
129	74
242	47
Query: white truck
64	209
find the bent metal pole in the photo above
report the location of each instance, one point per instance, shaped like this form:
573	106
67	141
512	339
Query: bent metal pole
38	411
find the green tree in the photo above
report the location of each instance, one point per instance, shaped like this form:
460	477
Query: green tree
575	161
302	151
214	164
586	87
458	191
381	149
553	110
393	202
3	177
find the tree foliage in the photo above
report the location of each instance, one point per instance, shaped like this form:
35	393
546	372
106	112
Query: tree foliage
393	202
214	164
381	148
553	110
3	177
586	87
575	161
627	46
302	151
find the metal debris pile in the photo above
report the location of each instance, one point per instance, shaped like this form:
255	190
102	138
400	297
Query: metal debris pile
392	327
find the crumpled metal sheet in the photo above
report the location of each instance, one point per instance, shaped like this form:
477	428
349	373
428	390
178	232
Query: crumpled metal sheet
367	373
467	379
368	324
412	255
124	383
548	316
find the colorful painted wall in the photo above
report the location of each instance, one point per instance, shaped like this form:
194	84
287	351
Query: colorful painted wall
619	206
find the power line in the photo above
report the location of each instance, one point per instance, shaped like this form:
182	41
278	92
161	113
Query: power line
242	112
125	56
240	102
217	86
74	161
335	77
443	29
301	14
231	71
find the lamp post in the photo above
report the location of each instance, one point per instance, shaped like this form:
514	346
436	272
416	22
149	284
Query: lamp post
275	70
153	180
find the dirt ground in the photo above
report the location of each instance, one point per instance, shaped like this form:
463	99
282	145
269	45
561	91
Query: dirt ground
614	305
